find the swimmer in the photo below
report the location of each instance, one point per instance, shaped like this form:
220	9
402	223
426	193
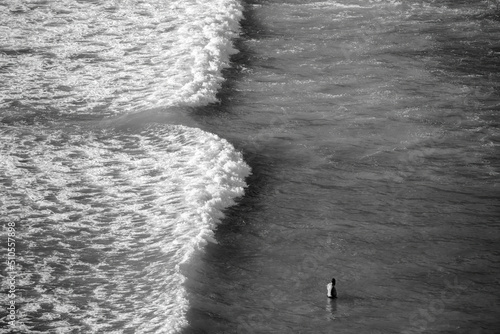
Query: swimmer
331	291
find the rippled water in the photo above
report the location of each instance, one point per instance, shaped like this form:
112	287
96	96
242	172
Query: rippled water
372	132
371	128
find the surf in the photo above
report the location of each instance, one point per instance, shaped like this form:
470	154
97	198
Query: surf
114	188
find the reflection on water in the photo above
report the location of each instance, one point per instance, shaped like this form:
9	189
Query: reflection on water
331	308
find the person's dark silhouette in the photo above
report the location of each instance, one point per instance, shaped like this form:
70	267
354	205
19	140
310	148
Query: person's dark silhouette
331	291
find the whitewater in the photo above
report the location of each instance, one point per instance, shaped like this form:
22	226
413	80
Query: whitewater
110	211
155	180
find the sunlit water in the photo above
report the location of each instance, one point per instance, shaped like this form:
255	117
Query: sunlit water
372	131
106	216
371	128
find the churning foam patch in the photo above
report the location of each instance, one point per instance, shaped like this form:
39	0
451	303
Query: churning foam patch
110	218
207	31
115	56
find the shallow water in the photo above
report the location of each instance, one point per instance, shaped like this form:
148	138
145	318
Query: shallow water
371	128
372	132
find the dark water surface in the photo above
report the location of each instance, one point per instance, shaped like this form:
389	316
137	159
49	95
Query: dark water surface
372	128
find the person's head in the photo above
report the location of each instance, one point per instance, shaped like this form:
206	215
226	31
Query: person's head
333	281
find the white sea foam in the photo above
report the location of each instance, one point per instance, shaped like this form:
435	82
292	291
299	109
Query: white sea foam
114	217
114	56
110	219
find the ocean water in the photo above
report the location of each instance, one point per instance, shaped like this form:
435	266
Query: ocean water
208	166
107	196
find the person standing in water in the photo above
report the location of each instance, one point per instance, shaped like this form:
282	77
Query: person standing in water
331	291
